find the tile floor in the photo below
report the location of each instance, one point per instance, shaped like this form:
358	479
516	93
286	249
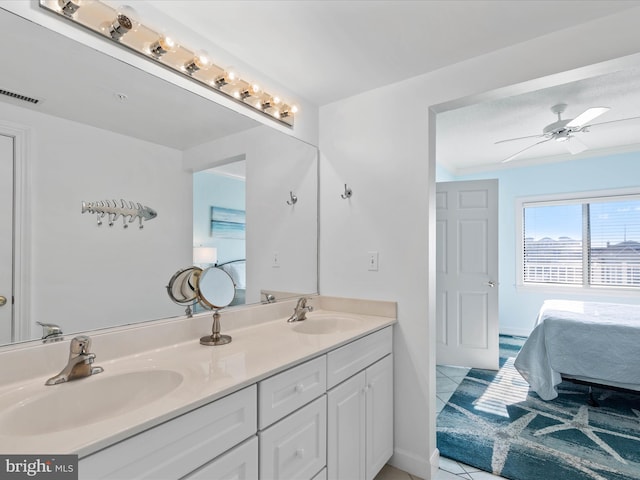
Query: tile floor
448	379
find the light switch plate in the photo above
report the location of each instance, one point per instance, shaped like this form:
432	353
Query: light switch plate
372	261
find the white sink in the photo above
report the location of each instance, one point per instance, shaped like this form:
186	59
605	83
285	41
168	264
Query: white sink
87	400
326	323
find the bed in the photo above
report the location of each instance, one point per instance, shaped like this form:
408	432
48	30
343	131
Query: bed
591	342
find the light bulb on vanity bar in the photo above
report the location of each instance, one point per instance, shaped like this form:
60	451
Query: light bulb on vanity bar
200	61
271	102
70	7
126	21
247	91
163	45
288	110
228	77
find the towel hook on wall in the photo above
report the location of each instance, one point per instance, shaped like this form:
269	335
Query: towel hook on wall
347	192
293	200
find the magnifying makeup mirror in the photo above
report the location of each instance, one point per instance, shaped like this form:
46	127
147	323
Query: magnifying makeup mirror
182	287
215	291
213	288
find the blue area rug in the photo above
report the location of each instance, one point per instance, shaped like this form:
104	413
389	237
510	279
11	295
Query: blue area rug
493	423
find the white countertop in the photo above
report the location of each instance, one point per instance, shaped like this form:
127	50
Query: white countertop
208	373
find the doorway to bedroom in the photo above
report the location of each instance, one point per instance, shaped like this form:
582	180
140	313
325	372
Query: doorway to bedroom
219	221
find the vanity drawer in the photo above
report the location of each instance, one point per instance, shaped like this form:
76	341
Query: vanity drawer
346	361
285	392
180	446
295	447
240	463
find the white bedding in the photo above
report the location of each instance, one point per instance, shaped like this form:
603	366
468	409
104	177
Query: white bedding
598	342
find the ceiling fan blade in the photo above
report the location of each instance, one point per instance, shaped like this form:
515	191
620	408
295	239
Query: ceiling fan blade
508	159
520	138
574	145
612	121
586	116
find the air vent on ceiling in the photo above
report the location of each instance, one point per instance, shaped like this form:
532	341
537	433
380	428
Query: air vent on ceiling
17	96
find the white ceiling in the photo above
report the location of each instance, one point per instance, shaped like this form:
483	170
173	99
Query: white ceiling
327	50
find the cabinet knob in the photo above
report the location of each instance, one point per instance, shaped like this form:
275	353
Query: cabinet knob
300	452
3	301
299	388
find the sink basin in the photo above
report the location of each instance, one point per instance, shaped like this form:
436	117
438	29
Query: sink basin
85	401
323	324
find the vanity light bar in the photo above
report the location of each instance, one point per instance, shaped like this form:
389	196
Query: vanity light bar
123	27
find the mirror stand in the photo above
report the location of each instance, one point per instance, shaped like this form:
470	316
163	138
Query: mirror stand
215	338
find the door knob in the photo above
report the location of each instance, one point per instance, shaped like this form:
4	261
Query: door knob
491	284
3	301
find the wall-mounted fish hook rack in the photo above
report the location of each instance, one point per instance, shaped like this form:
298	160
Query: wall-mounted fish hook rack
347	192
111	209
293	200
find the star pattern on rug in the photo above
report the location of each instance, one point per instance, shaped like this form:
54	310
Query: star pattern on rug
507	435
580	422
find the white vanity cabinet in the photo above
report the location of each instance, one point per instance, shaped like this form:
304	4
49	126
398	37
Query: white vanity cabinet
292	417
360	410
329	417
182	445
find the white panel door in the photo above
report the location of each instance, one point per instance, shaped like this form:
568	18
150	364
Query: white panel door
6	238
467	273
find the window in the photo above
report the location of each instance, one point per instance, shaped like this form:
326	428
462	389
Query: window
591	241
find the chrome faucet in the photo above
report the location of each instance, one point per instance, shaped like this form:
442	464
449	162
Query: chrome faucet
269	297
300	312
50	332
79	364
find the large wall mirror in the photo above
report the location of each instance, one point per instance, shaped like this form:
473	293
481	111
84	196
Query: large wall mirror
104	130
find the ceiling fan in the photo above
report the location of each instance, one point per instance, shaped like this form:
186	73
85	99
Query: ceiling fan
564	130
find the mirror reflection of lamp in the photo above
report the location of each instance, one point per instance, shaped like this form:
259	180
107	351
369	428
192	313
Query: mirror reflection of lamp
205	256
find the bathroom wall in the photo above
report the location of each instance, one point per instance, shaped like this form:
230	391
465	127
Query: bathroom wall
518	306
381	143
78	266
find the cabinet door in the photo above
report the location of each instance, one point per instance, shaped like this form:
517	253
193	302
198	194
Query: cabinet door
379	394
346	430
295	447
240	463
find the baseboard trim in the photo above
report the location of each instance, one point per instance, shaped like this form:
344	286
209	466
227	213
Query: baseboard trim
435	463
518	332
411	463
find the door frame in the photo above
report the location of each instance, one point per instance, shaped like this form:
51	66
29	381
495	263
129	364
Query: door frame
21	228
